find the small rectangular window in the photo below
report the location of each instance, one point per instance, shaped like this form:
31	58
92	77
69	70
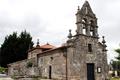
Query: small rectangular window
89	47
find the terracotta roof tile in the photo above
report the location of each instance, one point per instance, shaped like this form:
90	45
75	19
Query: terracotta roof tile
47	51
47	46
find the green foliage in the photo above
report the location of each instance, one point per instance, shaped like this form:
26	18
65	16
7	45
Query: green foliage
29	64
3	70
116	63
15	47
118	51
115	79
44	77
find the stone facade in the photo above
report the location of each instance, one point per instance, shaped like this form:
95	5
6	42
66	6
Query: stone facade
56	60
79	57
33	52
82	57
23	69
87	51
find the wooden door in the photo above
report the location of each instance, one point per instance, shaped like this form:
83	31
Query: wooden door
90	71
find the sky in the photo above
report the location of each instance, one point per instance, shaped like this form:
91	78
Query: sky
50	20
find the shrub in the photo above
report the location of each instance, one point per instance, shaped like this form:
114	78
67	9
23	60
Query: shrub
2	70
29	64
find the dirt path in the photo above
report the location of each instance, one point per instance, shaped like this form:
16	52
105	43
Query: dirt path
6	78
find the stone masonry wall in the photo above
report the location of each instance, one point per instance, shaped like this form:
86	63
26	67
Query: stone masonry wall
78	57
23	68
56	60
33	54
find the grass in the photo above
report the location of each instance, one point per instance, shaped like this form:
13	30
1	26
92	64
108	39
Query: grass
115	79
6	79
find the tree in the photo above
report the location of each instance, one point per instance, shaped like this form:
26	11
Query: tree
118	51
116	63
14	48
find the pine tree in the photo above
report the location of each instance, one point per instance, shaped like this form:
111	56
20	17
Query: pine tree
14	48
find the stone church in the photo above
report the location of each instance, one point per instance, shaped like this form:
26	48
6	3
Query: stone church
82	57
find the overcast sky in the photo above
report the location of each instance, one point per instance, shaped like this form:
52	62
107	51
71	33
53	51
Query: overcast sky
50	20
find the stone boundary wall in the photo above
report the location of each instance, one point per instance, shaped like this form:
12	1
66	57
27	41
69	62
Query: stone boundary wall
22	68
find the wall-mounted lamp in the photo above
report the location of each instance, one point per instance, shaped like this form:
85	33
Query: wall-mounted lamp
99	70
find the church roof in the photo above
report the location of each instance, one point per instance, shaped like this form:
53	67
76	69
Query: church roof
47	46
50	50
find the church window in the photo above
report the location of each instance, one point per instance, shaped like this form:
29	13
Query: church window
99	69
91	27
89	47
91	33
84	21
51	58
84	25
86	10
84	30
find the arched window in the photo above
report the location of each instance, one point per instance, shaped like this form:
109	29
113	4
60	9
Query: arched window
84	22
91	22
92	29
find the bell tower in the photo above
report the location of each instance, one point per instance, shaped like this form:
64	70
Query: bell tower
87	57
86	21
